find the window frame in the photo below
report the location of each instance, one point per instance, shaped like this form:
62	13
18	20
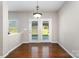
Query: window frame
16	25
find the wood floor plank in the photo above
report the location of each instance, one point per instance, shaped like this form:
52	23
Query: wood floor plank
39	50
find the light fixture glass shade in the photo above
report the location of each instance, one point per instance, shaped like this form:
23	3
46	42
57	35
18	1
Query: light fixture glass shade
37	15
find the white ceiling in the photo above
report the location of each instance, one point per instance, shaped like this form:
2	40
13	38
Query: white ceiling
31	5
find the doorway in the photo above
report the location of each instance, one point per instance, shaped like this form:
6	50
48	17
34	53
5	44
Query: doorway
40	30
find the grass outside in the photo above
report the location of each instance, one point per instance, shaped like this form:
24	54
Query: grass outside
12	29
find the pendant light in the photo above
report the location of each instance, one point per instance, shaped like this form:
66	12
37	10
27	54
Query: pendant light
37	14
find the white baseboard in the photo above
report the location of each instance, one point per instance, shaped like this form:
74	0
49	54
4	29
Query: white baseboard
54	42
11	50
25	42
66	50
41	42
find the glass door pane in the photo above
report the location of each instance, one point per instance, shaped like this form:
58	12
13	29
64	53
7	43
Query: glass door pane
34	30
45	30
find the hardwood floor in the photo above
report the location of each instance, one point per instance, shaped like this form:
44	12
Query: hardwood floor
39	50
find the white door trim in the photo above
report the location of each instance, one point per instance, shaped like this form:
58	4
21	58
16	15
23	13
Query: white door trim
40	26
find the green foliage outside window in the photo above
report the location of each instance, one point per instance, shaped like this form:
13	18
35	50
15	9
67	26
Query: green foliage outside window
12	26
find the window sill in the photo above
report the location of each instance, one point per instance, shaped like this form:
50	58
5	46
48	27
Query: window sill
11	34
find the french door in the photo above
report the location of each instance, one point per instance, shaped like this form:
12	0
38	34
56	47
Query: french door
40	30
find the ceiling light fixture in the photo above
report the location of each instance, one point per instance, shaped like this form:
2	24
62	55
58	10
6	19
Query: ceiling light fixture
37	14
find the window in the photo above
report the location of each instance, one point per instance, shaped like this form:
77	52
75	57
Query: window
12	26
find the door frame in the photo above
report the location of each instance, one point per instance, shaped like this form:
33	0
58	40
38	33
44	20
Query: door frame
40	27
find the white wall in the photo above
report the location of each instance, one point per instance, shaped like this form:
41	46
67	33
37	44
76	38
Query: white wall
5	26
24	18
12	42
9	41
69	27
1	29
